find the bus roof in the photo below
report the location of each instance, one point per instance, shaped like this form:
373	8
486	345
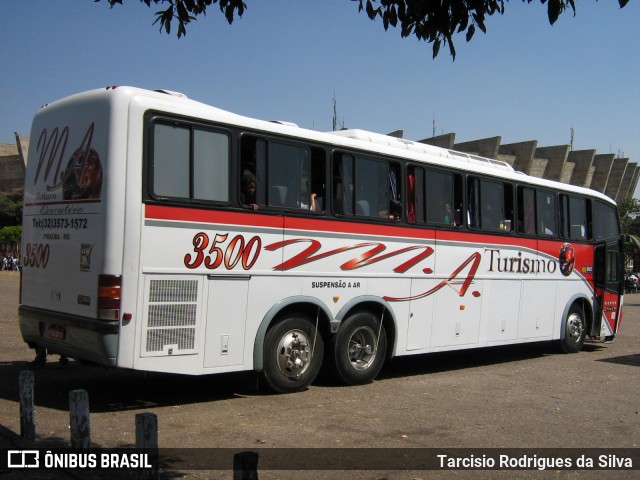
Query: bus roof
178	103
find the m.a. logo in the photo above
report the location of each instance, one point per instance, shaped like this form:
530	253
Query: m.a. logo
82	177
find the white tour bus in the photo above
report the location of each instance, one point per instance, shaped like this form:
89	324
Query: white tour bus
163	234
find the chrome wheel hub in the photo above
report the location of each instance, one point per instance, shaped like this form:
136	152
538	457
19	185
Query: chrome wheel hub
294	353
575	327
362	348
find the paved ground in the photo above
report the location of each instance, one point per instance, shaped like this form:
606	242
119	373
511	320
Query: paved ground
514	397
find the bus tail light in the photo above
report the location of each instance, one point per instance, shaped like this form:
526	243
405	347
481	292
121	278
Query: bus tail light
109	297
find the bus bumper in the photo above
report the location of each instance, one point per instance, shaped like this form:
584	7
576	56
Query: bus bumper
75	337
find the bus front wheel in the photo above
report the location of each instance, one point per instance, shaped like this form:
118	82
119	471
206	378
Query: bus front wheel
358	349
575	330
293	351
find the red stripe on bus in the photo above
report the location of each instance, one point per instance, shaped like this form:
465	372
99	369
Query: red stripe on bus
250	219
182	214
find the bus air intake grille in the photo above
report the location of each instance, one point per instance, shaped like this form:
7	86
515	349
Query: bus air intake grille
173	291
176	338
172	315
172	311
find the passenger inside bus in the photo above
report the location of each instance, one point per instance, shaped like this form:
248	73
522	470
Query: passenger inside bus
316	203
394	213
248	190
448	215
395	210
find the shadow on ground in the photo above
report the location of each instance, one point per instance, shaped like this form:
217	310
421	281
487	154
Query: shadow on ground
112	389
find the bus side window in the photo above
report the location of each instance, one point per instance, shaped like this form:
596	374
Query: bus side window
565	222
440	202
372	188
605	221
573	217
343	184
473	203
288	167
395	198
366	187
496	205
210	166
171	151
415	195
526	210
509	208
458	195
491	205
253	159
189	163
546	212
281	175
434	197
317	180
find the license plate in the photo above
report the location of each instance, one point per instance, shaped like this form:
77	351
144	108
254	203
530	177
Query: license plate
56	332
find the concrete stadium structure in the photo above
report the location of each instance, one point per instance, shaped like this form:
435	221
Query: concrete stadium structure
13	158
614	176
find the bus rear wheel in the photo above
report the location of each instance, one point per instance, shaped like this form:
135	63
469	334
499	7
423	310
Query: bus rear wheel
293	351
575	330
358	349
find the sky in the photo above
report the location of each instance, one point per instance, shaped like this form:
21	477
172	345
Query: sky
288	59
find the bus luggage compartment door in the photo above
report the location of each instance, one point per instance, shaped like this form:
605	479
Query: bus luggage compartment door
226	318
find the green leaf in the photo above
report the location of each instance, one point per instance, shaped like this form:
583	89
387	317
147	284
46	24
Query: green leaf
553	10
479	19
436	47
470	32
371	11
394	16
182	13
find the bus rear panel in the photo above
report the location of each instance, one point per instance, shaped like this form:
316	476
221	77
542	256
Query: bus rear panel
70	263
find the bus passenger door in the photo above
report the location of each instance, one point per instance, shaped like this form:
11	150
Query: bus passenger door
226	317
608	283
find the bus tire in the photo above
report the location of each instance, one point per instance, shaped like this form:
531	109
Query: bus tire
575	330
293	352
357	352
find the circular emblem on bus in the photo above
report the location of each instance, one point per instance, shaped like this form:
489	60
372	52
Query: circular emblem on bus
567	259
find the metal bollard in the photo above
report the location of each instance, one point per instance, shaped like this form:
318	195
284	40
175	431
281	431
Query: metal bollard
147	439
245	466
79	419
27	424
